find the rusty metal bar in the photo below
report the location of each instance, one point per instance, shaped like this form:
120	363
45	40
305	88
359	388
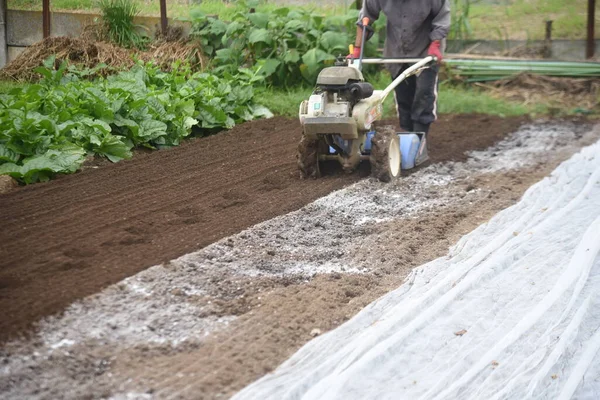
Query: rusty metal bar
591	45
46	18
163	17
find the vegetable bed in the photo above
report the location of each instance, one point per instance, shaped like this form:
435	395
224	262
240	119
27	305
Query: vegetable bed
52	126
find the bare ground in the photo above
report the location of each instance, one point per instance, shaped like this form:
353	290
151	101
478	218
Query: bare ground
66	239
208	323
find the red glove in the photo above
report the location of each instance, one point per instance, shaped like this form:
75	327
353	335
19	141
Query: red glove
355	54
434	50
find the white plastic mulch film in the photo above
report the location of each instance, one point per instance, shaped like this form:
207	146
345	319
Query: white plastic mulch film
513	312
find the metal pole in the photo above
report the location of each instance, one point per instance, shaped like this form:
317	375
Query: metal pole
589	53
46	17
3	44
163	17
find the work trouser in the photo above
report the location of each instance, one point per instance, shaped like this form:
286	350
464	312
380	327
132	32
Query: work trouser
416	100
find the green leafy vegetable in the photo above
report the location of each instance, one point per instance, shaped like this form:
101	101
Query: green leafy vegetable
48	128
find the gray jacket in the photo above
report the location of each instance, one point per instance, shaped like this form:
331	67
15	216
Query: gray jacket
411	25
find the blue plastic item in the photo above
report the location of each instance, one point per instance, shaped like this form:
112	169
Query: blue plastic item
409	147
343	144
368	141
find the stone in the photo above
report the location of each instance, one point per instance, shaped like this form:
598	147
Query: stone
7	184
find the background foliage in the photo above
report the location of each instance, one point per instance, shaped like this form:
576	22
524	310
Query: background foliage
117	18
284	47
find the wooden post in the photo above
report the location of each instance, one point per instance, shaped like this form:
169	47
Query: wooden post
163	17
3	44
591	45
46	18
548	42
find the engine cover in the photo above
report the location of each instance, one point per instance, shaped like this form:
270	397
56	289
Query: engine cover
325	113
338	76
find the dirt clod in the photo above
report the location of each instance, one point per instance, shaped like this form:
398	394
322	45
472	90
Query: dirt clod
7	184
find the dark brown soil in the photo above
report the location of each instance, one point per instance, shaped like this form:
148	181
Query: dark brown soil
69	238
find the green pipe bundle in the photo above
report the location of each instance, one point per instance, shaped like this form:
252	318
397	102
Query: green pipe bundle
491	70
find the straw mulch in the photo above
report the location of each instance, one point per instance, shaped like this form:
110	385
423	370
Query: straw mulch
561	94
88	53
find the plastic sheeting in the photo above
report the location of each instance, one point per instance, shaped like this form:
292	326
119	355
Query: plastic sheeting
513	312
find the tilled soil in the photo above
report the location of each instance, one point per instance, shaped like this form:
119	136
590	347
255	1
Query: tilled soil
63	240
210	322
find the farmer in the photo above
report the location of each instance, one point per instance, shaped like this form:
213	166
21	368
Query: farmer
415	29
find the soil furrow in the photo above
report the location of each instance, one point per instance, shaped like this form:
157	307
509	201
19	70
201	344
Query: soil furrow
73	236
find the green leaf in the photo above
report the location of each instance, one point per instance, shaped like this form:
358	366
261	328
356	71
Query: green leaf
159	109
113	148
294	25
67	159
332	41
312	62
260	35
7	155
189	122
292	56
281	11
96	124
224	54
317	20
186	107
315	56
151	129
49	62
95	140
45	72
127	123
217	27
268	66
261	112
233	28
259	19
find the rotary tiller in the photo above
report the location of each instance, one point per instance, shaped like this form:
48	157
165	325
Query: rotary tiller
338	118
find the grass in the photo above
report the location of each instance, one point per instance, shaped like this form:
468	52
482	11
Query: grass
175	9
118	16
452	100
7	86
457	99
525	19
284	102
226	11
508	19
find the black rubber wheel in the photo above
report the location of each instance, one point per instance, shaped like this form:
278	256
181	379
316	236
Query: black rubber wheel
308	158
385	155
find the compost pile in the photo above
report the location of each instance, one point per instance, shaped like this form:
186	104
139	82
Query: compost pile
88	53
